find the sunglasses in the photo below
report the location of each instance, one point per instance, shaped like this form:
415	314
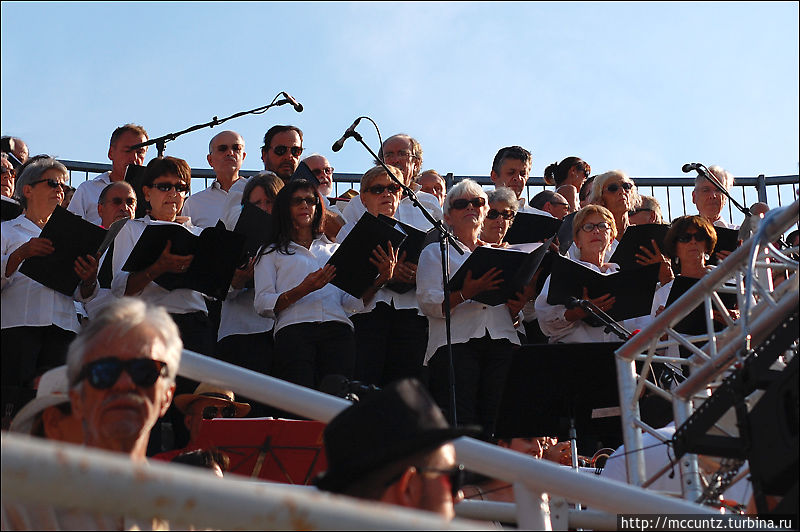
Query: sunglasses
281	150
462	203
613	187
603	226
319	171
166	187
687	237
222	148
637	211
454	475
506	214
52	183
104	373
394	188
211	412
130	202
311	201
402	154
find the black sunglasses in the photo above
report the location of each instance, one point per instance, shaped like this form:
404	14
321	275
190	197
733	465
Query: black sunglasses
223	148
454	475
613	187
297	151
130	202
462	203
687	237
494	213
211	412
393	188
104	373
311	201
166	187
52	183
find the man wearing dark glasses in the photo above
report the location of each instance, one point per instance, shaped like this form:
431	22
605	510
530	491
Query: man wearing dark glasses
283	146
117	201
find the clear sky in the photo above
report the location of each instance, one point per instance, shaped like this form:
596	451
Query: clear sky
642	87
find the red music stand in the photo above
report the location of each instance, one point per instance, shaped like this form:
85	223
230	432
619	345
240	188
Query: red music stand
277	450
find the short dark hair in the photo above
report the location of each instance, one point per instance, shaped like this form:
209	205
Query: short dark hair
540	199
161	166
274	130
102	198
269	182
681	224
206	458
133	128
510	152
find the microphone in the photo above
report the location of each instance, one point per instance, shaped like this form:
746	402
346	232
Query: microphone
347	134
574	302
688	167
297	106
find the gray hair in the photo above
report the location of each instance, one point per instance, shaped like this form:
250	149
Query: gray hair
651	204
463	188
504	195
118	318
722	175
33	173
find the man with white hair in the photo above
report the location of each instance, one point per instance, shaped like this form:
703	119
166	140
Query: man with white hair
708	198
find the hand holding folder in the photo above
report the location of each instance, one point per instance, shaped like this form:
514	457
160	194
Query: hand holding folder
634	238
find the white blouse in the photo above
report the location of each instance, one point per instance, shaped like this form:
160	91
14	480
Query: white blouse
178	301
25	302
469	319
276	273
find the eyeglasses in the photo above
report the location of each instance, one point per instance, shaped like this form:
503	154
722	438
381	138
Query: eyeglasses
211	412
311	201
687	237
225	147
52	183
582	170
557	203
319	171
613	187
454	475
130	202
104	373
402	154
297	151
637	211
603	226
506	214
166	187
393	188
462	203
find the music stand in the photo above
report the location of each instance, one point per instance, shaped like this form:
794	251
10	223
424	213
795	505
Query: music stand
277	450
550	385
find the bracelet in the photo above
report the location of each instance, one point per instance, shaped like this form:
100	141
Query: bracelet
462	297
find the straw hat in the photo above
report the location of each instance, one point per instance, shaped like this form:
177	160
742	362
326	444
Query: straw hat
216	394
53	390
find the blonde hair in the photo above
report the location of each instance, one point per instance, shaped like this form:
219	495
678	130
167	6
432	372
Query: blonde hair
599	183
375	172
581	215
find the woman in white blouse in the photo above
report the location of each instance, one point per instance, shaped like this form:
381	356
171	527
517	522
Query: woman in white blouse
38	323
593	231
313	334
482	336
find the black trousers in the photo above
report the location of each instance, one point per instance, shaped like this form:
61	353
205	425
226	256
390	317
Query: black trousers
390	344
305	353
481	368
252	351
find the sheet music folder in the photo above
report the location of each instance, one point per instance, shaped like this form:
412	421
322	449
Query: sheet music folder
634	237
517	265
354	272
411	246
529	227
216	255
256	226
72	237
633	289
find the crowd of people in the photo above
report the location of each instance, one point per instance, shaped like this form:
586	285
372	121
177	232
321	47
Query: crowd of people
284	317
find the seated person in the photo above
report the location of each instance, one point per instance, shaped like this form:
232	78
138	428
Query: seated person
212	459
49	414
648	212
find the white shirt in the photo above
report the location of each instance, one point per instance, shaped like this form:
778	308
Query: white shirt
232	206
560	330
469	319
722	223
276	273
207	207
84	201
406	211
524	207
179	301
25	302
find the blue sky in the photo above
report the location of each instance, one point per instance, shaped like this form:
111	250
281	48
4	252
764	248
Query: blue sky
643	87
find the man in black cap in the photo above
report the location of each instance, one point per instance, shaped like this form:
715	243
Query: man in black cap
394	447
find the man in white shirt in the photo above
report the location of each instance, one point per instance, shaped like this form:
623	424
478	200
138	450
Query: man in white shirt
708	198
511	168
323	171
283	146
225	155
84	202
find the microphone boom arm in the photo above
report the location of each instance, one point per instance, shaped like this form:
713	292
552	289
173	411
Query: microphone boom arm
705	172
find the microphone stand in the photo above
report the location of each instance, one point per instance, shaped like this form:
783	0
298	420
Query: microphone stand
161	142
705	172
445	237
611	324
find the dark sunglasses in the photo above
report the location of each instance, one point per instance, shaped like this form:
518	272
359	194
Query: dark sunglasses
393	188
297	151
687	237
52	183
130	202
462	203
613	187
319	171
104	373
166	187
454	475
494	213
211	412
637	211
223	148
311	201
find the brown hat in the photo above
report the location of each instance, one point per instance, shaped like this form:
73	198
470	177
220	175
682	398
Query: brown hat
210	392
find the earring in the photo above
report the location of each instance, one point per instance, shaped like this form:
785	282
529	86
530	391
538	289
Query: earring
706	256
677	261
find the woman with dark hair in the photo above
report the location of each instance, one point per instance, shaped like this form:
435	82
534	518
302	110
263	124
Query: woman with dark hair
38	323
568	176
313	334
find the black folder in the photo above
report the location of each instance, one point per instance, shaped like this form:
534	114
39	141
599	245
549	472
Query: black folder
216	255
412	246
727	240
517	265
634	237
354	272
9	209
134	174
256	227
633	289
695	322
104	273
72	237
304	172
530	227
